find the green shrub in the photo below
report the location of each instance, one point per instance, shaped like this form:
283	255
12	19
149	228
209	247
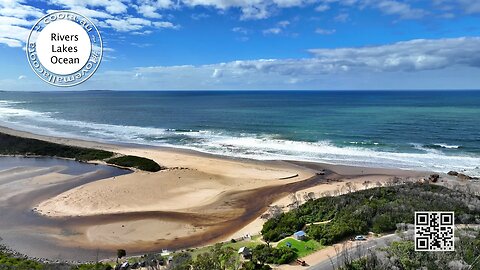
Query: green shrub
267	254
12	145
140	163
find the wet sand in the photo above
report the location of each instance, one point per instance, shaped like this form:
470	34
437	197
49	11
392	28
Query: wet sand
25	182
199	200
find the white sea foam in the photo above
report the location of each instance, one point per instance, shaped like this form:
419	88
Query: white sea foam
443	145
257	146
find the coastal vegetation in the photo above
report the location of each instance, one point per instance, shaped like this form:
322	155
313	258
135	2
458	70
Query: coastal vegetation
263	254
402	255
374	210
15	261
13	145
140	163
222	257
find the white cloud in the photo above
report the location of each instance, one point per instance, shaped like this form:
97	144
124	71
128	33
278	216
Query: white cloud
123	25
342	17
10	42
217	73
165	25
148	11
404	10
283	24
199	16
22	77
91	13
322	31
110	6
4	20
322	8
425	62
12	35
273	31
240	30
414	55
135	24
468	6
15	21
416	64
18	10
280	26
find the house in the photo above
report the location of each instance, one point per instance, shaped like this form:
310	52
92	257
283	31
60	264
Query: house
300	235
245	251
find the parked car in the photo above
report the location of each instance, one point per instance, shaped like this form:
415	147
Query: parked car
360	238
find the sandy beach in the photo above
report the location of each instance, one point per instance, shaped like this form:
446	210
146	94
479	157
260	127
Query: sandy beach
199	199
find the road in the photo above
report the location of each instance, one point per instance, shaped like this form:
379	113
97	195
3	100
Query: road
355	252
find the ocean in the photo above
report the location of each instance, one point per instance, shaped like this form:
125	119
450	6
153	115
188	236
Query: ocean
425	130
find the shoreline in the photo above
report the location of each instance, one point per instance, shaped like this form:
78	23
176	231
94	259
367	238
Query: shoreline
111	146
200	199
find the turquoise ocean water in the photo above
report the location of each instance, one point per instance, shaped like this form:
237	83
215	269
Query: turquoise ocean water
432	130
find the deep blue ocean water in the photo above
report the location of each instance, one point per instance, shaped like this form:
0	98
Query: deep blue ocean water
433	130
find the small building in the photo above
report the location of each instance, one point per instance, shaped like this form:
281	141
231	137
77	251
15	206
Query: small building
300	235
125	265
245	252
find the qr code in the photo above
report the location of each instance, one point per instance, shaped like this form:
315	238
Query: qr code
434	231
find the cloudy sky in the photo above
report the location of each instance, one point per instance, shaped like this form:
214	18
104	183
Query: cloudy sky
262	44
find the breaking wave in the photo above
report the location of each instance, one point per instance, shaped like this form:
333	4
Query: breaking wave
246	145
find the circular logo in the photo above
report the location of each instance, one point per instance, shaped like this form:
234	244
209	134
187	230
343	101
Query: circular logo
64	48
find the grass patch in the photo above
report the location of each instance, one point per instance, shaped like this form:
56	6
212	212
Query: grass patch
251	244
302	248
140	163
13	145
238	245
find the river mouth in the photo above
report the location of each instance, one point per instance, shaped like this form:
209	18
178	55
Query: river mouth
25	182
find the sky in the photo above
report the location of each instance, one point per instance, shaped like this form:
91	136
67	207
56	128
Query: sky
262	44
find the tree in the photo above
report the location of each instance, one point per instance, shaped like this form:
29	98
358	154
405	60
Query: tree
121	253
181	261
308	196
274	211
295	203
218	258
